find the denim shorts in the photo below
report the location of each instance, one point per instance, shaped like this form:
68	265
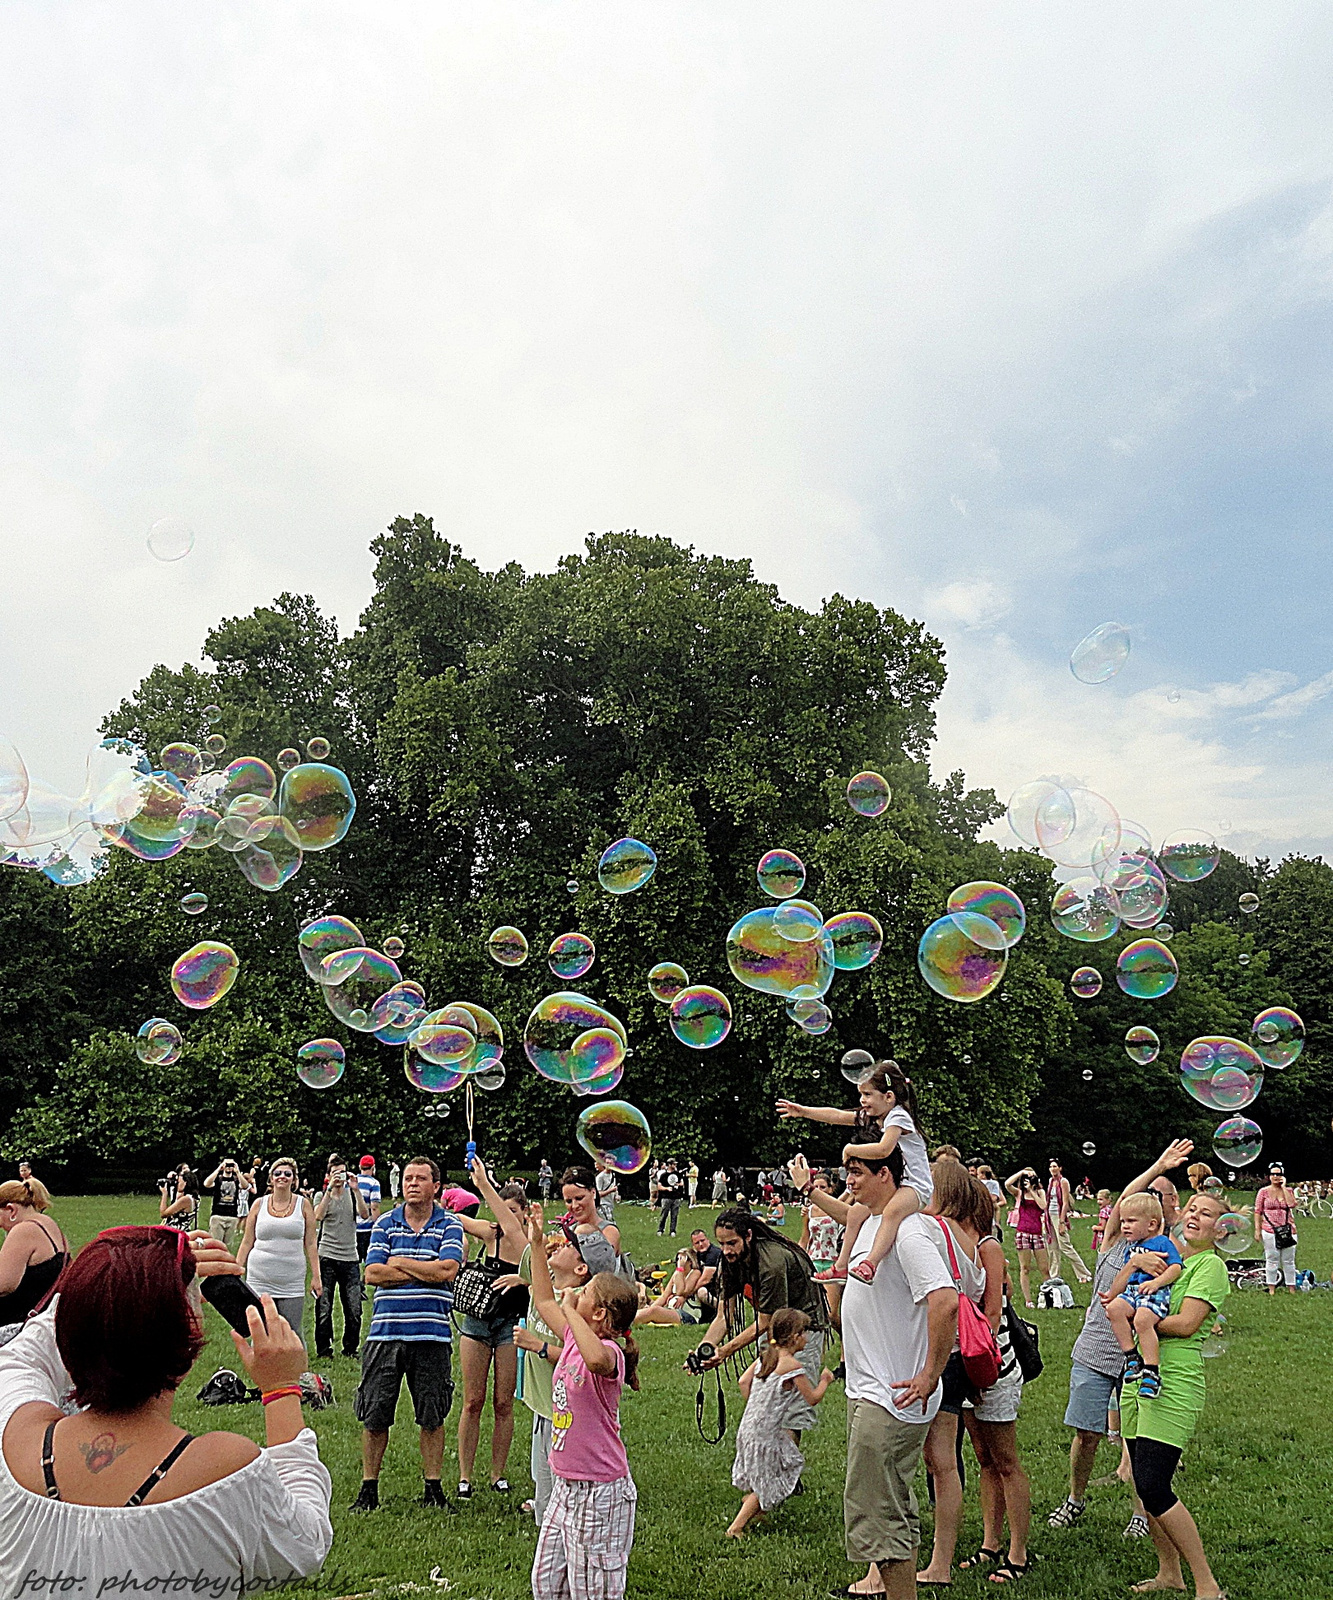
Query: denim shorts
494	1331
1091	1395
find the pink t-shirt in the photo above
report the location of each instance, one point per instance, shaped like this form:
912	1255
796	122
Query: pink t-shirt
1271	1209
585	1417
456	1199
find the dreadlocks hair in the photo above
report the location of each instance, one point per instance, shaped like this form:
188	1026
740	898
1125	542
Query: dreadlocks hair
751	1228
889	1078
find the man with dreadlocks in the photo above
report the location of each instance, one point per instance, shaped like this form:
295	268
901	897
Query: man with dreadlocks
765	1269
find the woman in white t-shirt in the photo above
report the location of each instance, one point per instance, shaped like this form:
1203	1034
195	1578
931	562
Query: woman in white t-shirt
281	1241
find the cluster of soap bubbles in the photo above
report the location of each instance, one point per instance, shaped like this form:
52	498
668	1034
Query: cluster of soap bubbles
1227	1074
572	1040
158	1043
963	954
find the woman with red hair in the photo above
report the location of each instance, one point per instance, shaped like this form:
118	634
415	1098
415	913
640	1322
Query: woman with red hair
109	1486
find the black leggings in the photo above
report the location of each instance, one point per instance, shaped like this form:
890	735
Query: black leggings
1154	1465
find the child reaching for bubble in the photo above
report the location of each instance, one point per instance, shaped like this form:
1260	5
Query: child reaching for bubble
1140	1293
886	1120
769	1462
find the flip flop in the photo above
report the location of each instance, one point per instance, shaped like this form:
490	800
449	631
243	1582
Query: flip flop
983	1558
1011	1571
856	1594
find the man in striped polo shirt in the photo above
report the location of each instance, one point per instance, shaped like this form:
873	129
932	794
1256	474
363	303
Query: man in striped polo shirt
414	1255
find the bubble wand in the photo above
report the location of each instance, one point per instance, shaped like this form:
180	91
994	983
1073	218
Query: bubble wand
467	1107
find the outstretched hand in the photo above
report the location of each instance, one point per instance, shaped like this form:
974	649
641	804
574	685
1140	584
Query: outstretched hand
789	1108
1176	1154
536	1220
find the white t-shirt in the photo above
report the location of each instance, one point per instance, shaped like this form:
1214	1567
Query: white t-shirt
885	1336
916	1158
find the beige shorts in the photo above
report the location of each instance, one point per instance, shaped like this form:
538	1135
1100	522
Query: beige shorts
227	1231
879	1503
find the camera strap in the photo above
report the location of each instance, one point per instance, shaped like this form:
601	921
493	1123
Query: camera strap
711	1438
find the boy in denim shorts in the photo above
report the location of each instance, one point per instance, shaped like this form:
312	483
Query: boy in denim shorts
1138	1299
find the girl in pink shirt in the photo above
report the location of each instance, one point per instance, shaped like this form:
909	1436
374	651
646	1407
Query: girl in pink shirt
586	1536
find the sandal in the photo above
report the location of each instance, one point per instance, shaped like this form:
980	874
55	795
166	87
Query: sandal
985	1557
831	1275
864	1271
1011	1571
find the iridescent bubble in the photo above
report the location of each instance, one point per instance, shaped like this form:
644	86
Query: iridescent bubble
1089	1149
158	1043
1212	1185
625	866
781	874
1092	837
857	939
144	849
490	1044
204	831
1165	932
320	1063
1087	1075
1146	970
204	973
762	959
507	947
1220	1072
212	714
1249	904
182	761
215	744
802	1001
432	1076
353	980
446	1037
322	938
1142	1044
1086	910
394	947
1237	1141
1278	1036
1086	982
272	854
1042	795
572	885
571	954
247	775
288	758
701	1016
599	1057
13	780
170	539
1101	654
1244	958
1002	906
855	1064
158	819
962	956
666	980
868	794
819	1019
556	1026
81	859
491	1077
617	1133
798	921
1189	855
399	1012
192	904
1234	1233
317	748
319	803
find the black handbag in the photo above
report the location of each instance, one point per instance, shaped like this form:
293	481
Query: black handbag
1284	1235
475	1294
1025	1343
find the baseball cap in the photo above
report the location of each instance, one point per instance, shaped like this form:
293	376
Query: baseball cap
366	1162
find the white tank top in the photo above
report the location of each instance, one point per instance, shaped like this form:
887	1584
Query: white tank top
276	1265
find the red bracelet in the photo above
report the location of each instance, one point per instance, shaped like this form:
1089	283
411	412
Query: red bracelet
280	1394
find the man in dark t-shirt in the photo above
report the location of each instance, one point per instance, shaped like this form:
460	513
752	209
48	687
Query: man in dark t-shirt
226	1181
709	1258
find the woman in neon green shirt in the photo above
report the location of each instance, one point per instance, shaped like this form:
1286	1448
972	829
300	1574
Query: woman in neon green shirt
1158	1430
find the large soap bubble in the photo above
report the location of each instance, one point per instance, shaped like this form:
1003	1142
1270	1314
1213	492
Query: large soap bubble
1142	1044
1237	1141
571	954
399	1011
324	937
183	761
1088	838
781	874
445	1037
762	959
553	1037
666	980
170	539
353	980
507	947
1140	891
158	1043
1086	910
701	1016
993	900
1086	982
1221	1073
434	1077
1189	855
204	974
1146	970
625	866
1043	794
247	775
1098	657
868	794
318	801
13	780
617	1133
962	956
1234	1233
79	859
272	855
320	1063
1278	1036
857	939
798	921
600	1057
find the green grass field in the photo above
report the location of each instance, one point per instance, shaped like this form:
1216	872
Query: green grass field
1254	1476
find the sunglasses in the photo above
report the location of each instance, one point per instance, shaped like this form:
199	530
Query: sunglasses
567	1229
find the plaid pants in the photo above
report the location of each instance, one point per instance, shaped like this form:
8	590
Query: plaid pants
585	1540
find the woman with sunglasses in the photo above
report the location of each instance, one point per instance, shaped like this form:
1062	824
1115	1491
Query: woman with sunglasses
116	1487
281	1241
1274	1209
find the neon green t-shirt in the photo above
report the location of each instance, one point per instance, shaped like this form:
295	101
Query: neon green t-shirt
1173	1416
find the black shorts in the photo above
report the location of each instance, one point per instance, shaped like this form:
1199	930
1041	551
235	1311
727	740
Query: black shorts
425	1363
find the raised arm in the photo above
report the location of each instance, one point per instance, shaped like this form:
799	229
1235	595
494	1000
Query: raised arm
789	1108
542	1289
1176	1154
510	1227
212	1177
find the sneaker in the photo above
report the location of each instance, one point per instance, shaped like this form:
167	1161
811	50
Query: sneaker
1136	1528
1133	1366
464	1489
1066	1514
1150	1384
501	1486
369	1497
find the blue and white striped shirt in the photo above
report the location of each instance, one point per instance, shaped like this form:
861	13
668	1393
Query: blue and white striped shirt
414	1311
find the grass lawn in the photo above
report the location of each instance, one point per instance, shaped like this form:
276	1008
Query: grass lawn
1255	1476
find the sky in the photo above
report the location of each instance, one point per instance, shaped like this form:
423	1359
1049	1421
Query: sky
1015	318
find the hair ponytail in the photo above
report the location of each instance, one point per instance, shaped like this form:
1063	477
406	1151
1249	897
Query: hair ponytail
787	1324
620	1302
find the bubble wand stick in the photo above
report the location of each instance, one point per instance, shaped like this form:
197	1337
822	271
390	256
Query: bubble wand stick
467	1107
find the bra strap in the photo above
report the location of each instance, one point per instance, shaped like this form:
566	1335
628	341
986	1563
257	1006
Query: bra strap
156	1475
49	1460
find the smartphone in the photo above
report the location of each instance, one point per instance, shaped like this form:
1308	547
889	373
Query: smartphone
231	1297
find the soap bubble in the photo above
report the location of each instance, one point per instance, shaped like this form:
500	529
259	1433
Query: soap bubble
158	1042
318	801
212	714
625	866
617	1133
394	947
818	1019
159	817
317	748
762	959
553	1037
13	780
83	857
1165	932
1234	1233
1086	982
215	744
1086	910
204	973
1278	1036
571	954
321	938
701	1016
247	775
170	539
1249	904
802	1001
490	1077
1098	657
798	921
353	981
1214	1344
855	1064
433	1076
1146	970
1188	855
1030	798
445	1037
962	956
1087	1075
1142	1044
507	947
289	758
1221	1072
868	794
1244	958
857	939
490	1043
1088	838
781	874
320	1063
600	1057
1237	1141
182	761
572	884
272	854
1089	1149
399	1012
193	904
1212	1185
666	980
1002	906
